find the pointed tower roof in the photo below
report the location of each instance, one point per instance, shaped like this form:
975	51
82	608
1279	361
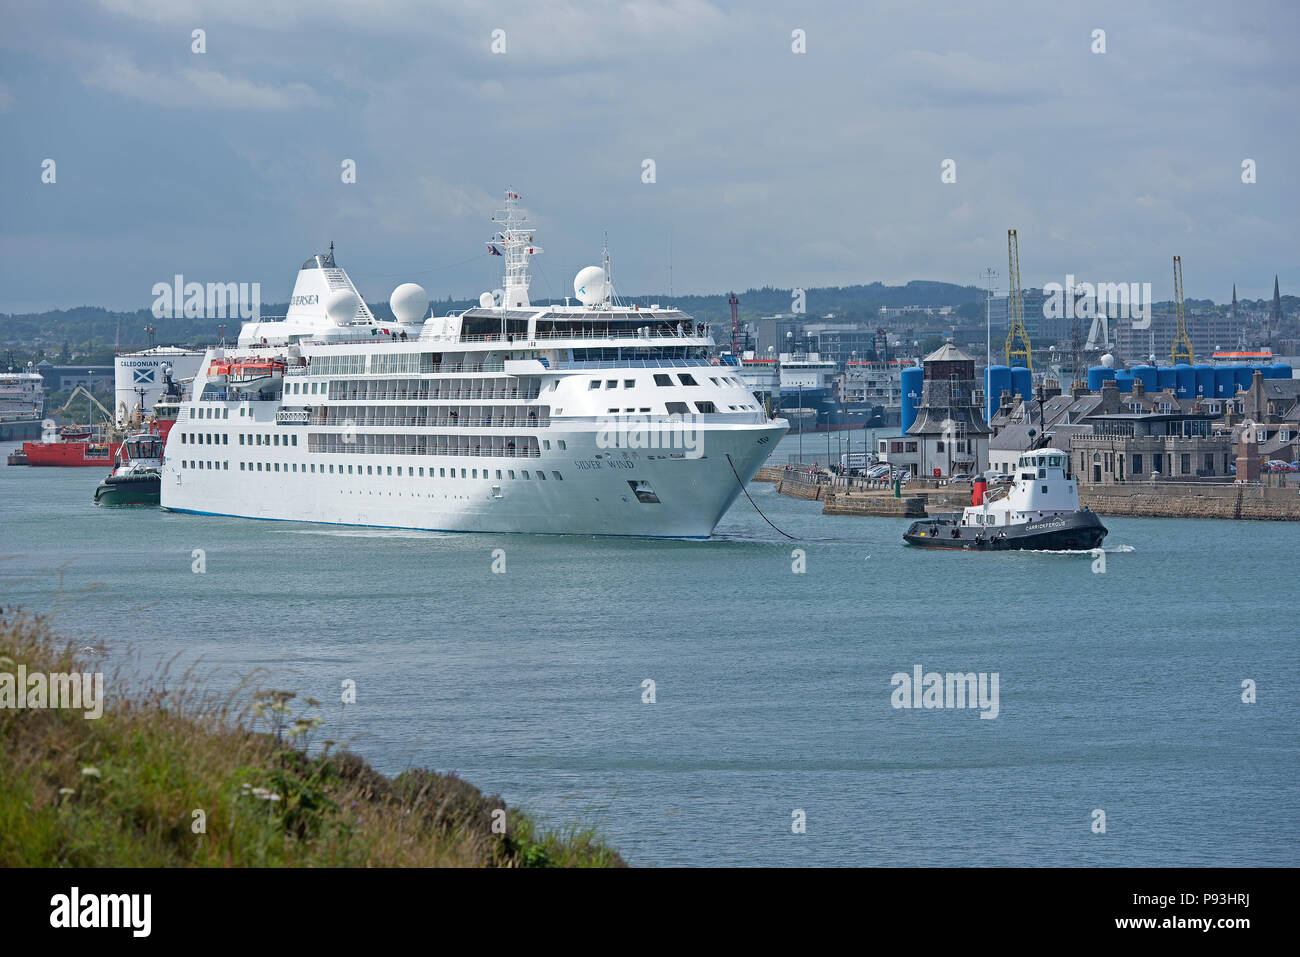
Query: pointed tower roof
948	353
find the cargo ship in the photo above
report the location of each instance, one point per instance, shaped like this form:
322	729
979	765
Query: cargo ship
81	446
1041	512
22	397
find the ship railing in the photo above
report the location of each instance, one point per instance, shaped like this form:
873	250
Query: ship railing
496	453
403	395
663	363
236	396
608	333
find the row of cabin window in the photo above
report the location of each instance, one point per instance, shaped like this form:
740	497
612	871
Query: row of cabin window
211	412
503	474
216	412
209	438
662	379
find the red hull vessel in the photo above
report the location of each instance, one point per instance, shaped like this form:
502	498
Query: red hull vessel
71	453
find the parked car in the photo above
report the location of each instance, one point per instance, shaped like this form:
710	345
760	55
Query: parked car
961	477
1277	465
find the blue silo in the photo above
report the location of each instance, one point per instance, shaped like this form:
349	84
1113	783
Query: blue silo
1241	376
997	379
1224	384
1167	377
1186	377
1022	382
911	382
1279	370
1204	379
1148	377
1124	379
1097	375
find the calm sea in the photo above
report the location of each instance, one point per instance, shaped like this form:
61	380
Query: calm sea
1118	692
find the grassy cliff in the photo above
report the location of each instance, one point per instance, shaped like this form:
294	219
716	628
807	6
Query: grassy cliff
173	776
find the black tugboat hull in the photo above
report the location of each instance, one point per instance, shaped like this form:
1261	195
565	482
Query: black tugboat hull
1080	532
130	490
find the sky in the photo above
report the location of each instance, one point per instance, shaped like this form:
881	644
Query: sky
770	166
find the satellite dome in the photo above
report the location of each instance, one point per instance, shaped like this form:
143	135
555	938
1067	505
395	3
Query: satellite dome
486	301
409	302
341	306
589	285
1108	361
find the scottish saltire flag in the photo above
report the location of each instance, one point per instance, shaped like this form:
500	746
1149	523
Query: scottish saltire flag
143	376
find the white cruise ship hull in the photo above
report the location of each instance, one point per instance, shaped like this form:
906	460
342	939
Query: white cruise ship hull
595	493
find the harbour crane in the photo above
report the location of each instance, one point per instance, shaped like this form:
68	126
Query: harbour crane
82	390
1017	339
1182	347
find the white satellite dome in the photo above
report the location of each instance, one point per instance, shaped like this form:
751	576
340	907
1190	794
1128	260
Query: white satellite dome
589	285
486	301
409	302
1108	361
341	306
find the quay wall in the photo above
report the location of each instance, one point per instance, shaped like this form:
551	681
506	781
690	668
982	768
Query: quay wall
1131	500
1170	500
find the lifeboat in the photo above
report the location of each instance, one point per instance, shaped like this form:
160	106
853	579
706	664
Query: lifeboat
254	375
219	372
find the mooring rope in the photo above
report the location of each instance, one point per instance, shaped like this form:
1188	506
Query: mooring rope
751	501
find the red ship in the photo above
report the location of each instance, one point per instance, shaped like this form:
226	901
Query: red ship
76	446
83	452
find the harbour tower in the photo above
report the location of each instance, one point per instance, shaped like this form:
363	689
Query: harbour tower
952	436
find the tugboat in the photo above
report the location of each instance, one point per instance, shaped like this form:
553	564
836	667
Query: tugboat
1040	512
137	479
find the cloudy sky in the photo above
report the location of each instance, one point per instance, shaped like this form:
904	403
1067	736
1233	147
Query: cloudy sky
771	167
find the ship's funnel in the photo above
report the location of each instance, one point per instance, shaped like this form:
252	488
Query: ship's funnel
323	296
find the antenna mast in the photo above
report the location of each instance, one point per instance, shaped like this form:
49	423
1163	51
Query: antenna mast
515	242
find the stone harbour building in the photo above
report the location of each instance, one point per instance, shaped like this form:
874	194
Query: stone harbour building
1137	447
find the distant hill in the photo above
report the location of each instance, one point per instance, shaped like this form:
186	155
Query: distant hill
90	332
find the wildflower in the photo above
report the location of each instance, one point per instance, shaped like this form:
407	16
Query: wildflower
91	772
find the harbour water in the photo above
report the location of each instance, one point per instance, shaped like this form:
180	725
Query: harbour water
1119	691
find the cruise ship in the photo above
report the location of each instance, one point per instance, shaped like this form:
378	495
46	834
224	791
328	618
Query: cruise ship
589	418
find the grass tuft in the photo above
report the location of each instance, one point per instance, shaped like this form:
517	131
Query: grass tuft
172	776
